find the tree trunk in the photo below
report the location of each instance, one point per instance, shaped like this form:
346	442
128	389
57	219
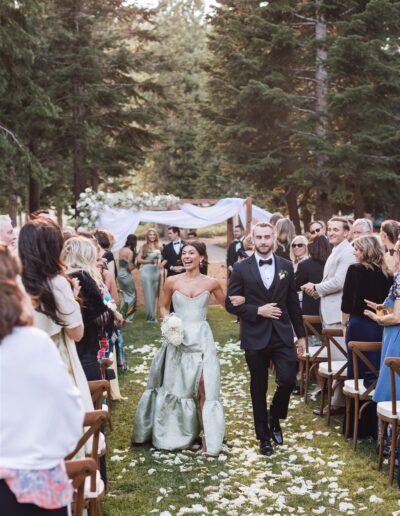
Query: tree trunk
33	195
323	204
12	196
291	200
359	201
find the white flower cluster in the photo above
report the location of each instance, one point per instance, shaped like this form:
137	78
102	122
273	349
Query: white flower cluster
172	330
91	203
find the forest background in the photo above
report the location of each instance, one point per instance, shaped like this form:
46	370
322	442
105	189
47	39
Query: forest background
294	102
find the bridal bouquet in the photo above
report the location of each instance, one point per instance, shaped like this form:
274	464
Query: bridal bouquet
172	330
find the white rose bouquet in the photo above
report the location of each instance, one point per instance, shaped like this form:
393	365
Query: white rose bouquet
172	330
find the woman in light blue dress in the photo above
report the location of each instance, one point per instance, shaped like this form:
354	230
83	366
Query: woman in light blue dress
149	259
126	264
183	389
391	332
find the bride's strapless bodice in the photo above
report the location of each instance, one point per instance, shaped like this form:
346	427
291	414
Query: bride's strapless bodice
191	309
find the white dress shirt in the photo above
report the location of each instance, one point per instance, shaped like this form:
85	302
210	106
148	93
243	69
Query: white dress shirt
177	246
267	272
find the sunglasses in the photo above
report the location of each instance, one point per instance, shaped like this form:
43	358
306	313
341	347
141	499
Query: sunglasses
298	245
315	231
392	251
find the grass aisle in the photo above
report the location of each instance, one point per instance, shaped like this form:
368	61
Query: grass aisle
315	472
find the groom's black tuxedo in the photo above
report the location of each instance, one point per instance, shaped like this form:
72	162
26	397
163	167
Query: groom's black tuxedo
172	258
265	339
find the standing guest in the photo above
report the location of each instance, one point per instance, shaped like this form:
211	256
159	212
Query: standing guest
369	278
149	259
390	230
285	232
7	234
171	253
274	218
126	264
331	287
103	237
56	310
234	247
362	227
32	475
298	250
192	235
390	320
270	315
315	229
80	257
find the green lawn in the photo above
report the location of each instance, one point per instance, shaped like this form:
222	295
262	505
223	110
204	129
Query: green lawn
315	472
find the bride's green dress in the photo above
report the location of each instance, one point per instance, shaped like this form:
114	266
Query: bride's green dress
168	413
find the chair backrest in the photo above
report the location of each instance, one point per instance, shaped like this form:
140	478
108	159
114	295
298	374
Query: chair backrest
358	349
97	388
394	367
77	471
310	323
330	333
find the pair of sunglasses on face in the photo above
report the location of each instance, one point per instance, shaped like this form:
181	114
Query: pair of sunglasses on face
315	231
298	245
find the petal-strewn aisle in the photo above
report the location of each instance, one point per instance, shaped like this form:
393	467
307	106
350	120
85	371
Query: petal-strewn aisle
315	472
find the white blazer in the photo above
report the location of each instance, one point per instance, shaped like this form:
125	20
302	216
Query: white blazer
331	287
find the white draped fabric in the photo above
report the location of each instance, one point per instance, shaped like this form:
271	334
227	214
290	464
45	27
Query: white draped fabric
123	222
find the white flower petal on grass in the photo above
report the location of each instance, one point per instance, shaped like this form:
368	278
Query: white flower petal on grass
375	499
346	507
117	458
165	513
319	510
151	471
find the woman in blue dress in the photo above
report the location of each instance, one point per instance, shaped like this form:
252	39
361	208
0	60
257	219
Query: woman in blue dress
390	320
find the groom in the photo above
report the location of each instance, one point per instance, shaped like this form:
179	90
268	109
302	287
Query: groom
269	315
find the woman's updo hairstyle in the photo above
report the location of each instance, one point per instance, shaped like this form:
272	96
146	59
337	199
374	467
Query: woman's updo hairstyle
392	230
11	297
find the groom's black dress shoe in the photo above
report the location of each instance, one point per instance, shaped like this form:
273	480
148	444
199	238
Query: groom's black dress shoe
276	430
266	447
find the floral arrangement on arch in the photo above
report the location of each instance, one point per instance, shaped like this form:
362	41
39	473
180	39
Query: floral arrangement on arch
91	203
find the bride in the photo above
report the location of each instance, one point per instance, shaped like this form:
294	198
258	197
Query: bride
183	389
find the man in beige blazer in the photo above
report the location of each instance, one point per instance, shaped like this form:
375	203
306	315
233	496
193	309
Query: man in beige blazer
331	287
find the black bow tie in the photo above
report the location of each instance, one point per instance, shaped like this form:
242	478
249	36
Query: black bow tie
265	262
177	243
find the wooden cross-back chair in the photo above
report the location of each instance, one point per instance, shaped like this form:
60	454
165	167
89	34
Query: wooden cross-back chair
100	390
354	389
312	357
78	470
389	414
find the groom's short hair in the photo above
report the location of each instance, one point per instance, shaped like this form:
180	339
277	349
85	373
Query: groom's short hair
175	230
263	225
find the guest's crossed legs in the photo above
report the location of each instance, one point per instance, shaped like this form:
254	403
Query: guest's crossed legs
285	362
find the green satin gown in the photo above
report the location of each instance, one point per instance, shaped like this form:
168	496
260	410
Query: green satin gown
128	290
150	277
168	413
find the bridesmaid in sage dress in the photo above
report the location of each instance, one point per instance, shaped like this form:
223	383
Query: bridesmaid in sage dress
183	389
126	264
149	259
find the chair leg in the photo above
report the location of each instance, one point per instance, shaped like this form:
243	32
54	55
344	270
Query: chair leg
322	402
347	427
356	420
307	380
382	430
394	425
329	401
301	372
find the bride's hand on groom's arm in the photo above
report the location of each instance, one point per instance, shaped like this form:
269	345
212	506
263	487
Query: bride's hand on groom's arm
269	311
237	300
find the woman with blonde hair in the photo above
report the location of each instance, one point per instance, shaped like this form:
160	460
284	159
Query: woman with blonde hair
285	233
149	259
298	250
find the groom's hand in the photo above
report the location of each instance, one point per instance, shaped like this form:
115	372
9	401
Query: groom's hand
301	347
269	311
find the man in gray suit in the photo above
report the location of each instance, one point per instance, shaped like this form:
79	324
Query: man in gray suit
331	287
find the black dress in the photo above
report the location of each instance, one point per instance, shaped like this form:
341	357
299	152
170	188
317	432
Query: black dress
309	270
97	320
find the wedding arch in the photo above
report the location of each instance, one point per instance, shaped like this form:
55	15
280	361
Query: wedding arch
121	213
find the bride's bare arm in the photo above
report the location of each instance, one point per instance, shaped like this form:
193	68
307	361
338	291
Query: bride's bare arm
166	297
218	292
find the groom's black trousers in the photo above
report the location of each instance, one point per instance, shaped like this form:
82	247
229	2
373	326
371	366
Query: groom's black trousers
285	362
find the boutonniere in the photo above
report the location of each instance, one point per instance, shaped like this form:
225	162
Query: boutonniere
282	274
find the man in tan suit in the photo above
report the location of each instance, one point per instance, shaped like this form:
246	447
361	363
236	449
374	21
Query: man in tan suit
331	287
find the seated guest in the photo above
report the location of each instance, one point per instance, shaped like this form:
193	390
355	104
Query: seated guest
41	414
298	250
388	317
369	278
53	294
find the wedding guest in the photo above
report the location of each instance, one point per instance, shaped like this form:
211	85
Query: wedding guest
369	278
80	257
389	319
53	295
126	265
171	253
315	229
362	227
234	247
149	259
248	245
390	231
285	232
7	233
274	218
298	250
105	240
32	475
331	287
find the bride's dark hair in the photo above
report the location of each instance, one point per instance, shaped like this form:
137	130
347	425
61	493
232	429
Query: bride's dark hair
200	248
